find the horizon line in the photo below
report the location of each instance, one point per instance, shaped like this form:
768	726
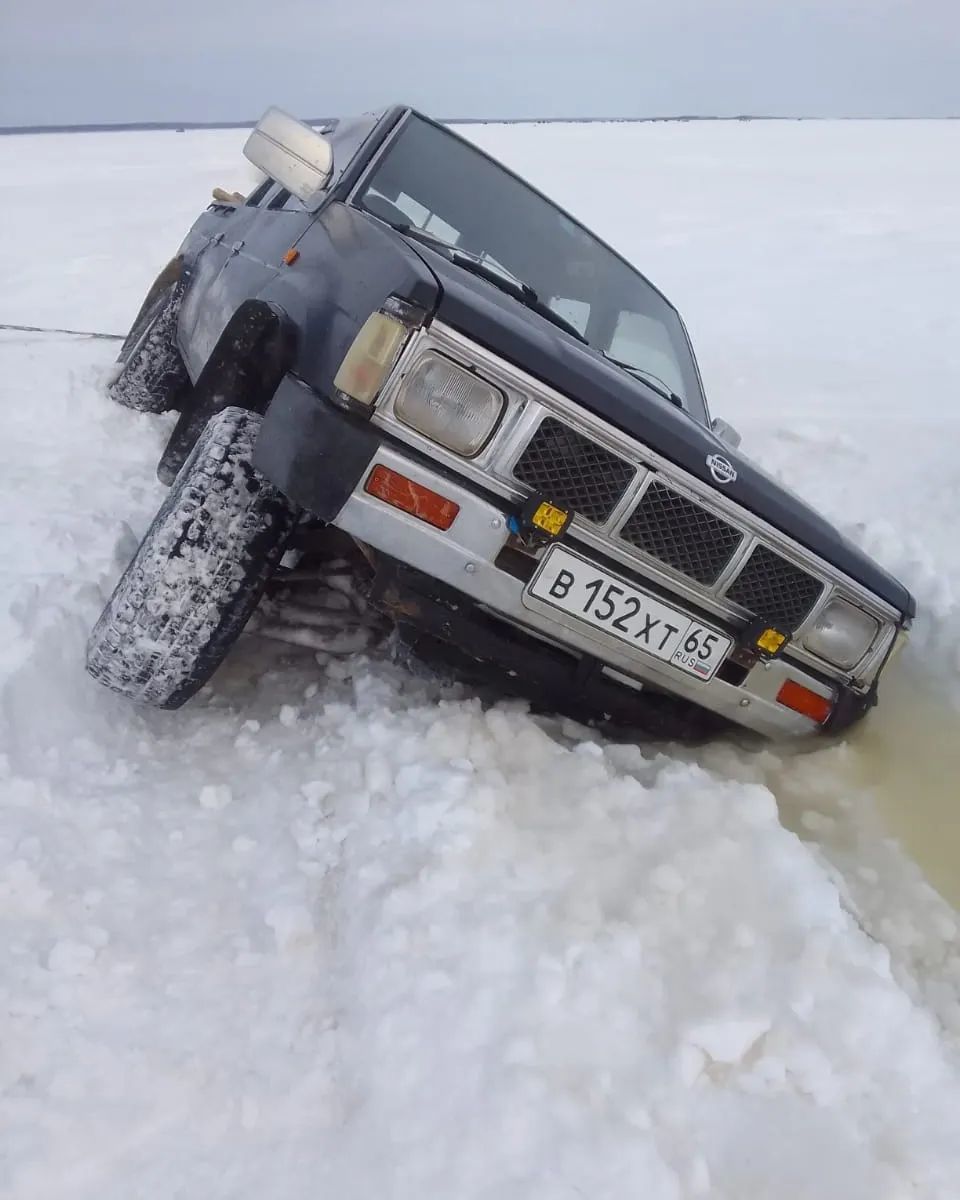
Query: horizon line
183	126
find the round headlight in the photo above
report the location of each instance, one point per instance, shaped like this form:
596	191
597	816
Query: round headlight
842	634
449	405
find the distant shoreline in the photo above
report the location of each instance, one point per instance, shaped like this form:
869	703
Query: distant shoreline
185	126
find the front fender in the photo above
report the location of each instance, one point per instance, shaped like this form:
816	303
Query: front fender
348	265
312	451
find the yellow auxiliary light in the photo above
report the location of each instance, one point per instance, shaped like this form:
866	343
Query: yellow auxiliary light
540	519
771	641
550	519
763	641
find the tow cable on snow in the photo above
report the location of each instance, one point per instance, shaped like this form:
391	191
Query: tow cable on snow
86	333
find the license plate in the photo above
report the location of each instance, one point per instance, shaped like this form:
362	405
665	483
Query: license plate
608	603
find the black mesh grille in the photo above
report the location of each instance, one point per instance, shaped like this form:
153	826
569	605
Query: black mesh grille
681	534
775	589
573	471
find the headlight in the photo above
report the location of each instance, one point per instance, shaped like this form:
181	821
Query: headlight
842	634
371	358
449	405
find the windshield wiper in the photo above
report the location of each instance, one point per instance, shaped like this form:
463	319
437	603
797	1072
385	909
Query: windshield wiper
521	291
499	276
648	377
421	235
405	227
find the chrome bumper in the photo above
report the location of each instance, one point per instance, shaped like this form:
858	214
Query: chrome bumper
464	558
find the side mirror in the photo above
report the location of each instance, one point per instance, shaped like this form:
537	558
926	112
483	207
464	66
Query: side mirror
725	432
293	154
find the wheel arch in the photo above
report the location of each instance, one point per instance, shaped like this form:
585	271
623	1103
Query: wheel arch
253	353
246	366
171	274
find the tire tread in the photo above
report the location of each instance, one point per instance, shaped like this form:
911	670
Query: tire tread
197	574
153	376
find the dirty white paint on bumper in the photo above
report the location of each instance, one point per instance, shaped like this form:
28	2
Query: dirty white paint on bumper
464	557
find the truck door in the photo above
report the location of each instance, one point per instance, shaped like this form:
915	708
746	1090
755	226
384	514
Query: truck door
246	250
243	250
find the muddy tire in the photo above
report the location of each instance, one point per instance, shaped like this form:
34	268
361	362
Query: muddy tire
198	574
153	377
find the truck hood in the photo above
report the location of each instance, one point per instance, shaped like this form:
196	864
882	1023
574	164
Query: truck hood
483	312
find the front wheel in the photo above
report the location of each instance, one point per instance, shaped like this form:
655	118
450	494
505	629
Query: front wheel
198	574
152	375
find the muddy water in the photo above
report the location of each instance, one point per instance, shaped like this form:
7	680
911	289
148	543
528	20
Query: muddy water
908	755
896	776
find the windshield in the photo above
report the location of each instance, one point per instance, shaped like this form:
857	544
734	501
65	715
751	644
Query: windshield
444	186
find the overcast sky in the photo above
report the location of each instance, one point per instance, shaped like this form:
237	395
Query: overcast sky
74	61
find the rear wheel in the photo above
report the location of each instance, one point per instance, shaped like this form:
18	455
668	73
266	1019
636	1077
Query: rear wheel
153	377
198	574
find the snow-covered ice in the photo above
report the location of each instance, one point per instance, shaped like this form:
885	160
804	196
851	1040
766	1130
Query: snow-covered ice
351	934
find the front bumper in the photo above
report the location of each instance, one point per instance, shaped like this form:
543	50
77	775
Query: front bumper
321	459
464	558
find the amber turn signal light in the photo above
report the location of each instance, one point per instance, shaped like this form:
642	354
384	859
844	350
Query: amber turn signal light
410	497
802	700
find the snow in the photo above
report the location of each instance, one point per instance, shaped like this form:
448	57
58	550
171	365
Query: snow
348	933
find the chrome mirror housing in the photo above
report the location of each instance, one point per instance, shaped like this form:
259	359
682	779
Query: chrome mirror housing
293	154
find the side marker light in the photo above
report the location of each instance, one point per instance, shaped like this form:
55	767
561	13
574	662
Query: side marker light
802	700
410	497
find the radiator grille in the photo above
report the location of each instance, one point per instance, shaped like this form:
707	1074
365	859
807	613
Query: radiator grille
775	589
681	534
576	472
573	471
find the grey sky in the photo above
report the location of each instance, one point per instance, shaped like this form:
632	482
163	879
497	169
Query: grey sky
65	61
